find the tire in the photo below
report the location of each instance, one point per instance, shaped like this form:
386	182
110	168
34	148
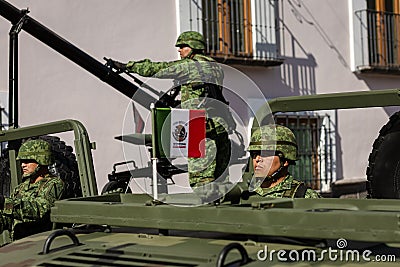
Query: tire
115	187
5	179
383	171
65	166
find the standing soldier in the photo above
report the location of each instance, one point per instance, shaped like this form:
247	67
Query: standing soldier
199	79
27	210
273	149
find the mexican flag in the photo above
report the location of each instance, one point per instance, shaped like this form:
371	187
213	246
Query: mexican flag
179	132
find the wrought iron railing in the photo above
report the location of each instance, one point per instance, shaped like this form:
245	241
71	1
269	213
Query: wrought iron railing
241	30
315	140
379	37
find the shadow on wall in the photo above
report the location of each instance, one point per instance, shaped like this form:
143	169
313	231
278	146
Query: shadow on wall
305	15
298	75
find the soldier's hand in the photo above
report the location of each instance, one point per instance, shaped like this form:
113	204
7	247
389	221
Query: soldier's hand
120	67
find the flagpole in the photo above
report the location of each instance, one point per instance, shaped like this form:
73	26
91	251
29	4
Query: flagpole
155	182
154	154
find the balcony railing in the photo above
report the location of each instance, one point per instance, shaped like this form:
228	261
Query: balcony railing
379	36
238	31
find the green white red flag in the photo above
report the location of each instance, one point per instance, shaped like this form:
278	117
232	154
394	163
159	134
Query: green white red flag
180	132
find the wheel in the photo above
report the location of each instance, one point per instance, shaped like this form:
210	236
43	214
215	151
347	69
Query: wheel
65	166
5	179
115	187
383	171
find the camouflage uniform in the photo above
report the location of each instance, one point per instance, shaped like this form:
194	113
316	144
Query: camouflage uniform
282	141
29	205
27	210
190	74
283	188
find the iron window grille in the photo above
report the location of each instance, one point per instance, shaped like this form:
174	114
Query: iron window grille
236	31
380	41
315	140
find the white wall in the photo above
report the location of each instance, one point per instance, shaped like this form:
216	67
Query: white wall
316	47
54	88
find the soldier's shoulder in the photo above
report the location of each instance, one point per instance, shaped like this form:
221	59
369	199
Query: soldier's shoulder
202	57
50	178
311	193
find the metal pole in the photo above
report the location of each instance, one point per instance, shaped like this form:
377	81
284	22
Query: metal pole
13	70
11	80
154	153
16	108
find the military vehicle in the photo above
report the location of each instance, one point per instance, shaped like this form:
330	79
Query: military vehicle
237	229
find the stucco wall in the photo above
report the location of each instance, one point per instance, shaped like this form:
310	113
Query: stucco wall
53	88
315	39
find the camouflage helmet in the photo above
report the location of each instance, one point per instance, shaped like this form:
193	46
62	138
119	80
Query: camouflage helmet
194	40
38	150
274	137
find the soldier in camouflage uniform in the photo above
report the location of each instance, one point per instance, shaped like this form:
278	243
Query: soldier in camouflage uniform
191	75
27	210
273	149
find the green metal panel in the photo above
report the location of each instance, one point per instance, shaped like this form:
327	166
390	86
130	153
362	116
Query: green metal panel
15	170
82	147
346	100
353	219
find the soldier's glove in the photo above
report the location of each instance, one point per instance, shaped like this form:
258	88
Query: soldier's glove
120	67
2	199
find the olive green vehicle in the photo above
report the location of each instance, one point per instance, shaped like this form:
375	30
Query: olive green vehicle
236	230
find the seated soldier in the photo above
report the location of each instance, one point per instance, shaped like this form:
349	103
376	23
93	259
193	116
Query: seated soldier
273	149
27	210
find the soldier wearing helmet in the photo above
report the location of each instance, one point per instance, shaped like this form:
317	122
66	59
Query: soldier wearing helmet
273	149
193	74
27	210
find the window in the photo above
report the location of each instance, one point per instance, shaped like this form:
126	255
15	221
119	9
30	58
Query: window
236	31
315	149
383	25
227	27
377	25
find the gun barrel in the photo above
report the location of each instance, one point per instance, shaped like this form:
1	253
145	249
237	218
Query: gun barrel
75	54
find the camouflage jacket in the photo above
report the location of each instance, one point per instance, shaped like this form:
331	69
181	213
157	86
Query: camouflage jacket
285	186
30	202
189	73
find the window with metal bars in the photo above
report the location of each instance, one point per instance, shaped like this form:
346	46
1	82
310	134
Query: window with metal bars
379	29
235	31
227	27
315	154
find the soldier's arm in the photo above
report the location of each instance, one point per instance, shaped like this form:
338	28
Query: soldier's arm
162	70
146	67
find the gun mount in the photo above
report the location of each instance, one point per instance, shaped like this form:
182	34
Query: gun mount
73	53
